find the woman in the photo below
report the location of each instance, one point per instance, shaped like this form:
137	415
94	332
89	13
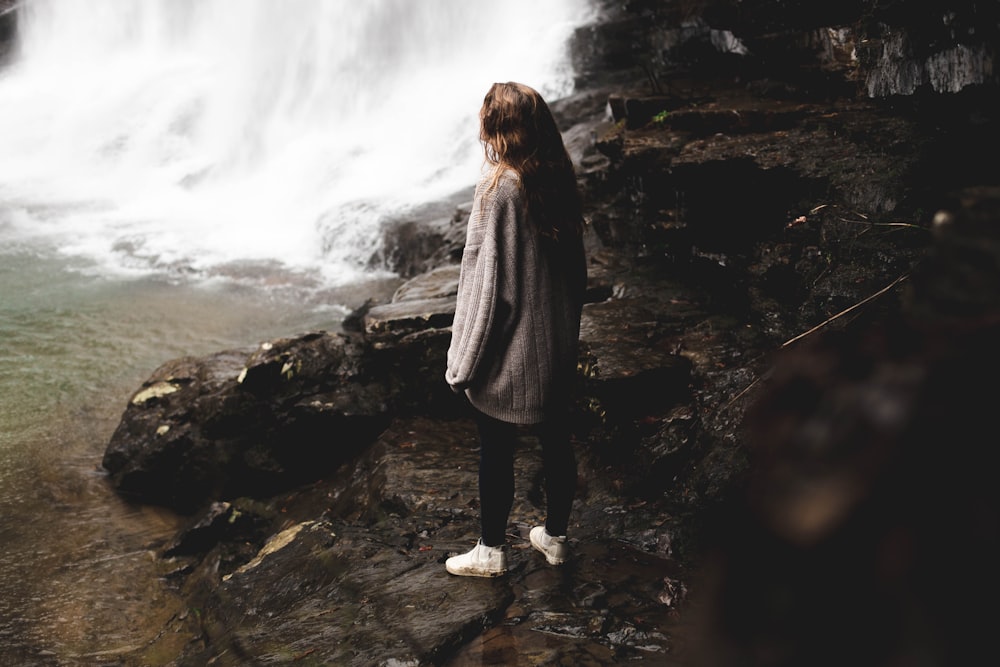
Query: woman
517	318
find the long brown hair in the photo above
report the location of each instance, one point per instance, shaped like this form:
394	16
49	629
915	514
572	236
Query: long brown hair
519	133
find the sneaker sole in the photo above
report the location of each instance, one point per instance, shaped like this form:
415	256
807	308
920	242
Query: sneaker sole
486	575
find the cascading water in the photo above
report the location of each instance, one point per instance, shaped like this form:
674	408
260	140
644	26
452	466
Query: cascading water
180	177
174	135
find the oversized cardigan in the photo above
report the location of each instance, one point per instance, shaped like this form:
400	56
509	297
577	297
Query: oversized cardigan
515	335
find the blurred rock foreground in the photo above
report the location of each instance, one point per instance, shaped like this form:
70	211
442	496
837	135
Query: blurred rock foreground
784	381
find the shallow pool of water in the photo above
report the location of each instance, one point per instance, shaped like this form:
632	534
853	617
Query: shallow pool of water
78	580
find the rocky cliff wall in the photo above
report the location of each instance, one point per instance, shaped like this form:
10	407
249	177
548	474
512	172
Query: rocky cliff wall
876	48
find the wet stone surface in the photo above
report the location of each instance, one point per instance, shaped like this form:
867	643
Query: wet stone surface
357	576
609	604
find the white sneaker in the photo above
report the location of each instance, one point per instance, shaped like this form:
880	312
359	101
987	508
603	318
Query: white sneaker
482	561
554	548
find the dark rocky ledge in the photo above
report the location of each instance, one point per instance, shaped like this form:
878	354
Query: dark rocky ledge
762	234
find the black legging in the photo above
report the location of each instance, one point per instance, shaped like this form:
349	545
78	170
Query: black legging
496	475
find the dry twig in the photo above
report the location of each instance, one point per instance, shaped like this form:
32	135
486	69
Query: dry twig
818	327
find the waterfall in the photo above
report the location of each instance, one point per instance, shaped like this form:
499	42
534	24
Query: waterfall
182	136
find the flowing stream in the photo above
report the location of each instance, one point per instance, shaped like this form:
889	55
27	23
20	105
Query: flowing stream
179	177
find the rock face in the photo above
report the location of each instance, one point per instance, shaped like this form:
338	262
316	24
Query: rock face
745	195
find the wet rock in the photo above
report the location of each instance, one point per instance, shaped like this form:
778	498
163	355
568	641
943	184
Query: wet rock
245	422
396	320
439	283
412	355
602	609
417	465
630	375
404	506
424	302
650	364
334	593
429	237
242	520
153	453
949	49
409	339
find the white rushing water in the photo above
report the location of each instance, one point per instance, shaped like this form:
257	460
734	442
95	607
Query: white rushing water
186	135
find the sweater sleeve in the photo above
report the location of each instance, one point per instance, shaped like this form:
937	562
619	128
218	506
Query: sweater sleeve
476	303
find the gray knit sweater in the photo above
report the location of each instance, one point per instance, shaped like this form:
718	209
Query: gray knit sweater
517	318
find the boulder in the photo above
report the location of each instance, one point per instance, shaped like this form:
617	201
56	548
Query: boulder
246	422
